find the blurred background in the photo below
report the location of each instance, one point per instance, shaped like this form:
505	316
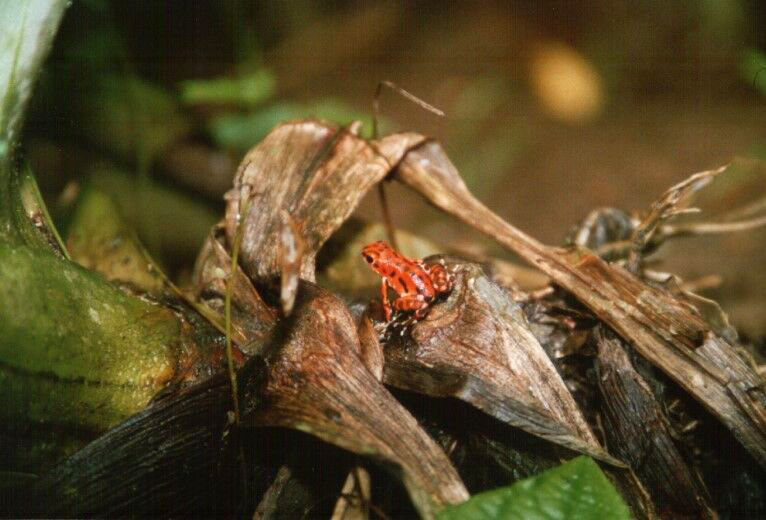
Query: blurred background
553	108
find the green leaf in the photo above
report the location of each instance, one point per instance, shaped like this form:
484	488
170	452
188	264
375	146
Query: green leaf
249	89
26	31
27	28
74	349
572	491
131	116
242	131
752	67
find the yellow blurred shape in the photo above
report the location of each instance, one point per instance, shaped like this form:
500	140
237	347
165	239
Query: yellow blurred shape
566	84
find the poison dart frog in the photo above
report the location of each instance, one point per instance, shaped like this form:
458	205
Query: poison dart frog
416	282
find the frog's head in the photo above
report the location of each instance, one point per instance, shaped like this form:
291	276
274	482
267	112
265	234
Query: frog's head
372	253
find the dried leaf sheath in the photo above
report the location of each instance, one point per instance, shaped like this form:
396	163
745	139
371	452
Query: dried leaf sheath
670	335
638	432
317	383
477	346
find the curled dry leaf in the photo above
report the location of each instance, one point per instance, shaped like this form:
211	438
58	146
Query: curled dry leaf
477	346
317	383
671	335
638	432
316	172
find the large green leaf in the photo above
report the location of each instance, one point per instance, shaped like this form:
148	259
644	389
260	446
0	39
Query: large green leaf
75	350
572	491
26	31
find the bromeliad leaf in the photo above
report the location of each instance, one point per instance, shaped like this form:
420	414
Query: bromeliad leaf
575	490
26	31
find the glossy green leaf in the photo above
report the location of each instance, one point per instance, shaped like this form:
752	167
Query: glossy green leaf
74	349
577	490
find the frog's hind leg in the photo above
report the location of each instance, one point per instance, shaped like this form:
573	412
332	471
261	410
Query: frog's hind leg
440	278
415	302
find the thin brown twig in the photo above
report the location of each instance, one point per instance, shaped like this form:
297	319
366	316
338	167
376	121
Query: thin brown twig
399	90
387	220
667	207
705	228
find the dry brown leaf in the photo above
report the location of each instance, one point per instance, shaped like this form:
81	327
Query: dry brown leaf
478	346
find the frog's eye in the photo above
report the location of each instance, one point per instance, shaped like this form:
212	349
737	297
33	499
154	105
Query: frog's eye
368	258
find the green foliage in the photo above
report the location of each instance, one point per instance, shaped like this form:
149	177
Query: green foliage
73	349
142	118
242	131
26	32
752	68
246	90
166	220
572	491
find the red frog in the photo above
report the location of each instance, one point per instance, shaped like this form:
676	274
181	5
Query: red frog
416	282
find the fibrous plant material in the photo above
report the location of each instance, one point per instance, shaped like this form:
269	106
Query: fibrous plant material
639	433
321	369
174	458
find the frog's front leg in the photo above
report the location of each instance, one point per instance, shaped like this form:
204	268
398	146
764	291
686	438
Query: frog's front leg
386	303
414	302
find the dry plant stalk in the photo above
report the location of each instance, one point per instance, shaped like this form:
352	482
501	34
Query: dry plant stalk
669	333
292	191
